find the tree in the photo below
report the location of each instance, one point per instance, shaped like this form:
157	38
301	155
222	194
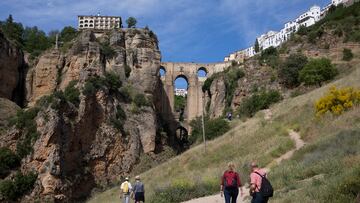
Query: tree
67	34
35	41
131	22
13	30
256	46
317	71
289	70
347	55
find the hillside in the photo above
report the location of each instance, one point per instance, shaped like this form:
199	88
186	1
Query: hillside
336	138
326	169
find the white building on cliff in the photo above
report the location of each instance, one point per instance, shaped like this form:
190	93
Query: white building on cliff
275	39
99	22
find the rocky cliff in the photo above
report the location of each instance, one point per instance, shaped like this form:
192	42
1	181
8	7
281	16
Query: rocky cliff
12	69
255	77
95	112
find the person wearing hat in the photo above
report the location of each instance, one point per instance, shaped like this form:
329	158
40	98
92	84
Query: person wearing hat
125	190
139	190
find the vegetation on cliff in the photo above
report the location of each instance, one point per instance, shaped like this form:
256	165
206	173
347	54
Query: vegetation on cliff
32	39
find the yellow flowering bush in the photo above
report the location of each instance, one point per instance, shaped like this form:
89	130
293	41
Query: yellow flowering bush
337	101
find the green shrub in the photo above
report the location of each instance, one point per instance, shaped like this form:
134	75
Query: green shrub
120	118
302	30
317	71
312	36
112	81
127	71
45	101
8	160
89	88
347	55
289	70
207	84
126	93
25	120
232	75
213	128
120	113
349	186
270	56
72	94
180	102
182	190
258	101
107	50
14	189
140	100
117	124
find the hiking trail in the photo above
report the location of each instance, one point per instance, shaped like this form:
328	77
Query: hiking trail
299	143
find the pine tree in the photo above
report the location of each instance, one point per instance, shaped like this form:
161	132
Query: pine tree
257	47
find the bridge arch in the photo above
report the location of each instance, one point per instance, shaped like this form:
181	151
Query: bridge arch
184	78
195	75
162	71
202	72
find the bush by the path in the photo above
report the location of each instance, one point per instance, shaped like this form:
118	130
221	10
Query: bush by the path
213	128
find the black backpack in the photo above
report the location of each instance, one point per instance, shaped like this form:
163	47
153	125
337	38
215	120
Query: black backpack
266	189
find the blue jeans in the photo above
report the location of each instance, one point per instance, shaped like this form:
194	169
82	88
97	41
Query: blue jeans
231	195
258	198
126	198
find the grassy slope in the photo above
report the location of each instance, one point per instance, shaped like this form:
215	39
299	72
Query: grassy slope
257	139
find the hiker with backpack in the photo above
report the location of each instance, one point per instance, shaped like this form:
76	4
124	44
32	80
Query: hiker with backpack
230	184
260	187
139	190
125	190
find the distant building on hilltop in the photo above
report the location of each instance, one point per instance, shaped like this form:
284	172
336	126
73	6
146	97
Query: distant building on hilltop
181	92
99	22
275	39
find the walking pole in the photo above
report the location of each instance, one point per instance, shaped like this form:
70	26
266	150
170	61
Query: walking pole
203	123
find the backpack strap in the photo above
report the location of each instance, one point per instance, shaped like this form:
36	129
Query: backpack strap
261	178
259	174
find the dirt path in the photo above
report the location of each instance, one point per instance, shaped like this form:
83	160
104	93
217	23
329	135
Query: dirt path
299	143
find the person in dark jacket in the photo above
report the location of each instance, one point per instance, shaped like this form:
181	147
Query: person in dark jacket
230	184
139	190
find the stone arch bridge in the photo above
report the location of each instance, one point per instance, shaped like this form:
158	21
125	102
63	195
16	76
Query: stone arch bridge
195	96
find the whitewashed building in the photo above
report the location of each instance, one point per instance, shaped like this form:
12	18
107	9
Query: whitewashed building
181	92
99	22
337	2
275	39
310	17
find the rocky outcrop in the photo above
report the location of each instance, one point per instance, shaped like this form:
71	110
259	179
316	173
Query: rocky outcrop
80	147
44	77
217	98
256	77
8	109
11	70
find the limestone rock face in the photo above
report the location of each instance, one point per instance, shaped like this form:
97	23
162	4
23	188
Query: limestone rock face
80	147
217	100
42	79
256	77
11	69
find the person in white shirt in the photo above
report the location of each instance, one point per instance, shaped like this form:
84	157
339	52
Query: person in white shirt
126	189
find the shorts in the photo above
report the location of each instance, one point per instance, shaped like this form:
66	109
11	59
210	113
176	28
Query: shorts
139	196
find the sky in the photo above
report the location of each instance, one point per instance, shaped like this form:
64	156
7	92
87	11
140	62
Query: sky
203	31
